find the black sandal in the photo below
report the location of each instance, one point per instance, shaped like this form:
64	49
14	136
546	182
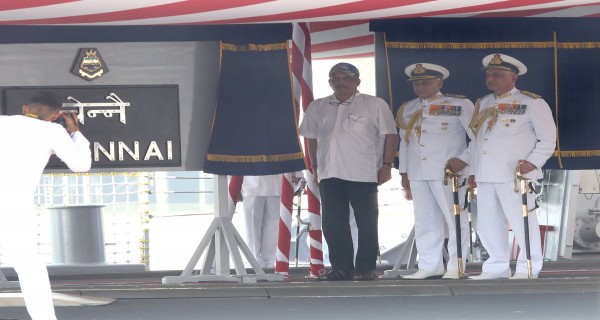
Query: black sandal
365	276
335	275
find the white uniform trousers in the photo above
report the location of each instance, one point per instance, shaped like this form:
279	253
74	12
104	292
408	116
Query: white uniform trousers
433	210
19	249
498	207
261	216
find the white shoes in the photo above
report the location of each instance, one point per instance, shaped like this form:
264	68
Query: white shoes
451	274
424	274
521	275
490	276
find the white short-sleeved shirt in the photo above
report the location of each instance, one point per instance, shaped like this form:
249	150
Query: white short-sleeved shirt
350	137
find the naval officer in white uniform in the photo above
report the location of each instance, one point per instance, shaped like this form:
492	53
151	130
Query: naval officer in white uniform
512	128
26	143
433	133
262	203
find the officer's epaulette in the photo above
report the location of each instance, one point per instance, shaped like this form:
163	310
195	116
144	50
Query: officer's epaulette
455	96
531	94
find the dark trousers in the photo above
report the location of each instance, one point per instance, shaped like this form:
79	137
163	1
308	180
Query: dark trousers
336	197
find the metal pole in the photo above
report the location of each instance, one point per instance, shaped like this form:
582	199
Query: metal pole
299	217
298	221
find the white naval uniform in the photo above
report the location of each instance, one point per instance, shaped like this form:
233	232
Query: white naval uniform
523	132
444	128
261	203
26	145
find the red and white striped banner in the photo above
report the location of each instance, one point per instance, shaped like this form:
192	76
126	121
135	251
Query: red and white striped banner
340	28
282	263
302	76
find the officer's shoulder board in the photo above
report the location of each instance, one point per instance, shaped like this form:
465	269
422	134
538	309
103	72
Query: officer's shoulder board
531	94
458	96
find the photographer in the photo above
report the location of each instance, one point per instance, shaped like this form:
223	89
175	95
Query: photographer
26	143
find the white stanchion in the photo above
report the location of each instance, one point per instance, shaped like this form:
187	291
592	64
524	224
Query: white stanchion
221	242
4	283
407	256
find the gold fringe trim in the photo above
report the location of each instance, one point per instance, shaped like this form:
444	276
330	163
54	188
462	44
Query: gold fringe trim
468	45
261	158
254	47
492	45
577	153
578	45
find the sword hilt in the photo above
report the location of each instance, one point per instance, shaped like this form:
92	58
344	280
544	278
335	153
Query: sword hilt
447	173
519	178
453	176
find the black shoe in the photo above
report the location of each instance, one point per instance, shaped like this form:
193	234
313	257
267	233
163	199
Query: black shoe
365	276
336	275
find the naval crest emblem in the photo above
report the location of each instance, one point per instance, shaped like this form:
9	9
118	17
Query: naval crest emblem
89	64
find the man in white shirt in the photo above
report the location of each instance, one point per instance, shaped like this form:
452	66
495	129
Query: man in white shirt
433	133
513	129
26	143
352	142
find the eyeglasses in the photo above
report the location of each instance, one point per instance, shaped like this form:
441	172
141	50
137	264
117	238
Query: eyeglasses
345	79
345	103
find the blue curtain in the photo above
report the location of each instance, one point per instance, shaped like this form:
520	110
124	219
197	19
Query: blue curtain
254	130
562	57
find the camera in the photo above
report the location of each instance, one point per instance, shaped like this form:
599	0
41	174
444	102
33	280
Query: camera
60	120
